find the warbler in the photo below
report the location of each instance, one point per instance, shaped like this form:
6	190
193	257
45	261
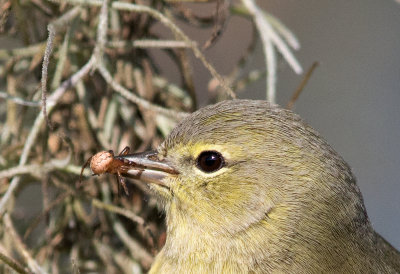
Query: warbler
249	187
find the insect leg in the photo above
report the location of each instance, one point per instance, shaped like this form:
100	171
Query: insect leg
83	168
122	182
124	151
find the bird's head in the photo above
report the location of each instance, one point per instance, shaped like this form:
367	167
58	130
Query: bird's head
229	166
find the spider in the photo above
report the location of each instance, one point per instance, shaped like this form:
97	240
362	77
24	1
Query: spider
105	162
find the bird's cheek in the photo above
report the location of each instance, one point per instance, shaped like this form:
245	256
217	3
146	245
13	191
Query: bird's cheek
166	194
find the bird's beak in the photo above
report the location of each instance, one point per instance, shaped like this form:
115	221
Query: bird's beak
147	167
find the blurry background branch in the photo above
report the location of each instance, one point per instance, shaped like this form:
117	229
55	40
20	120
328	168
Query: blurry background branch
271	30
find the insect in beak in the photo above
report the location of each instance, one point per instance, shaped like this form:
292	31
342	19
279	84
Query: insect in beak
143	166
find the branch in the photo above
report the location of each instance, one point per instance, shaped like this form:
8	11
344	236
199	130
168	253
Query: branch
270	39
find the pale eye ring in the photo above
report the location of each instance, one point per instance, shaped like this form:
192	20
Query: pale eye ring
210	161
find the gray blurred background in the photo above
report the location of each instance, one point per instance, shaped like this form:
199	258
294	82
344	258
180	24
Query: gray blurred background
352	99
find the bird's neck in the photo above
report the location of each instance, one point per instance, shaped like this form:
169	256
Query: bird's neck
267	245
196	251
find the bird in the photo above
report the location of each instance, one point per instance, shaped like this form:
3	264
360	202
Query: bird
249	187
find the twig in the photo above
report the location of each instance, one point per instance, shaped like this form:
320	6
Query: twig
46	61
137	100
148	43
270	38
107	256
101	33
39	170
303	83
52	28
12	263
32	263
28	51
19	101
72	81
121	211
221	11
123	261
137	251
270	57
286	33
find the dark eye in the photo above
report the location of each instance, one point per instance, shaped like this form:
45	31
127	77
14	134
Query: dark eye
210	161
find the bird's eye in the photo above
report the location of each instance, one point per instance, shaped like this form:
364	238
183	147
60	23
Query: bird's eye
210	161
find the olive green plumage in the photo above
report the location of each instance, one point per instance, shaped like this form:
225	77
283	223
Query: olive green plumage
283	201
